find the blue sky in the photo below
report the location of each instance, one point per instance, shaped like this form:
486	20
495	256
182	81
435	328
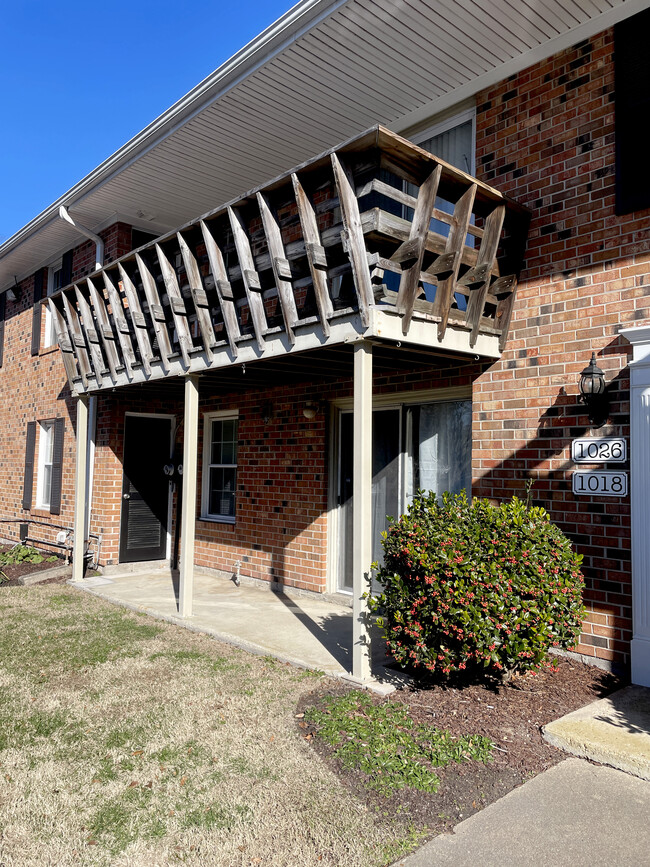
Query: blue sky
79	79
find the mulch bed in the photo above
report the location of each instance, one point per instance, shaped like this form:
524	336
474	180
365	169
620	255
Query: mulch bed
511	715
14	571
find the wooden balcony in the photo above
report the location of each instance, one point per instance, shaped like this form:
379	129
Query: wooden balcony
375	239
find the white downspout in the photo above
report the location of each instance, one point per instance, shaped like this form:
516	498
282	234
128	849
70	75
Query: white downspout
99	244
92	426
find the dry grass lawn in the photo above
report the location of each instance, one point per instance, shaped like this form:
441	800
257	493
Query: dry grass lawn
126	741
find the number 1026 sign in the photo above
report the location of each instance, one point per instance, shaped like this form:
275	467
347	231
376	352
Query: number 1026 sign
599	450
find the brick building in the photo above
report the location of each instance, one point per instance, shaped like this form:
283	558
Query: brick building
267	336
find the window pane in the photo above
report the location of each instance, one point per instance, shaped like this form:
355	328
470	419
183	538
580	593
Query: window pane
222	491
445	447
47	484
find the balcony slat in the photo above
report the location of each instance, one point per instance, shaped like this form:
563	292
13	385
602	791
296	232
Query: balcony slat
91	334
315	251
139	321
280	265
121	325
78	341
481	272
455	244
104	328
410	279
353	230
222	287
65	344
199	296
250	277
177	304
156	311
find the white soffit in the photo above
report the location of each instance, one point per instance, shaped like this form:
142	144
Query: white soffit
324	72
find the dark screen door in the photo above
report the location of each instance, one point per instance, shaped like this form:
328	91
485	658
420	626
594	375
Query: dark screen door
145	489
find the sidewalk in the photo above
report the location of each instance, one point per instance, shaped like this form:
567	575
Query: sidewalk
574	815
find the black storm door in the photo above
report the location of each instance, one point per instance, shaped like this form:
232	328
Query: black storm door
145	488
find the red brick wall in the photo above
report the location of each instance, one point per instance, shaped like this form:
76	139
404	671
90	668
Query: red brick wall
34	388
546	138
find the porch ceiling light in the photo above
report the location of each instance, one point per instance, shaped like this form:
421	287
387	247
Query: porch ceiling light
593	393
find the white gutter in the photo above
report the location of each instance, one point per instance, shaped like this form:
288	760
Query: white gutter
99	244
282	33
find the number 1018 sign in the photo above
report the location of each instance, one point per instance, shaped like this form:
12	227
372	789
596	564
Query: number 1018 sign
600	483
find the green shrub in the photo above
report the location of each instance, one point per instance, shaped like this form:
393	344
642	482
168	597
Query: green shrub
473	586
23	554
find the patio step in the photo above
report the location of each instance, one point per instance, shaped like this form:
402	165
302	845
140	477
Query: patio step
614	731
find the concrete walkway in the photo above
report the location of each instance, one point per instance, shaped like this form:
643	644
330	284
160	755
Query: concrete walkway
299	628
614	731
573	815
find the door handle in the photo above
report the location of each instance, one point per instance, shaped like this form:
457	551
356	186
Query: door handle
127	496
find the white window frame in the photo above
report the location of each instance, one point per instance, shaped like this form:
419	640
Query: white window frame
208	418
444	126
45	459
50	337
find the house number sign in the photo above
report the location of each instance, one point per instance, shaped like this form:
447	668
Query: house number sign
598	450
600	483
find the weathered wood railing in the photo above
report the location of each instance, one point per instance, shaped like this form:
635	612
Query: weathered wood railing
374	225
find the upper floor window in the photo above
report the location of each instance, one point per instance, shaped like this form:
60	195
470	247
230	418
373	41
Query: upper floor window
453	140
54	283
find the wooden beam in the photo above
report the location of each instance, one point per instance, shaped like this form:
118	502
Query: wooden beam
315	253
361	509
92	335
177	303
481	272
138	319
280	265
353	234
410	279
199	297
104	327
455	244
78	341
65	343
222	288
250	277
188	516
156	311
505	306
121	325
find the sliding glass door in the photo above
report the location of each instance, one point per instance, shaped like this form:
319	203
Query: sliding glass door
415	446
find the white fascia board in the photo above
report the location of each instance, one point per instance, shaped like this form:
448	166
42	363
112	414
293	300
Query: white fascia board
511	67
275	39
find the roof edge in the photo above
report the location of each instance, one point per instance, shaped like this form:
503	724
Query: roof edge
254	54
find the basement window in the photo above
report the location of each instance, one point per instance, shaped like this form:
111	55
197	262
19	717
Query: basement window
219	482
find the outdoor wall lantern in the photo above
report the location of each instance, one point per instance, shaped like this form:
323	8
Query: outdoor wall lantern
310	410
593	393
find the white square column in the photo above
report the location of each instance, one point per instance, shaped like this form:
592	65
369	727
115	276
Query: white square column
640	500
188	516
361	509
80	487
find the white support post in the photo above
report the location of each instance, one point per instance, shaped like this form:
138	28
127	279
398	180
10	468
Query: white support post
639	337
80	482
188	516
361	509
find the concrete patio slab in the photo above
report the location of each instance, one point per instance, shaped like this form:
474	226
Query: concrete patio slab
573	815
614	731
301	629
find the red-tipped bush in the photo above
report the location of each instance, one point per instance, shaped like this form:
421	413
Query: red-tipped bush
472	586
